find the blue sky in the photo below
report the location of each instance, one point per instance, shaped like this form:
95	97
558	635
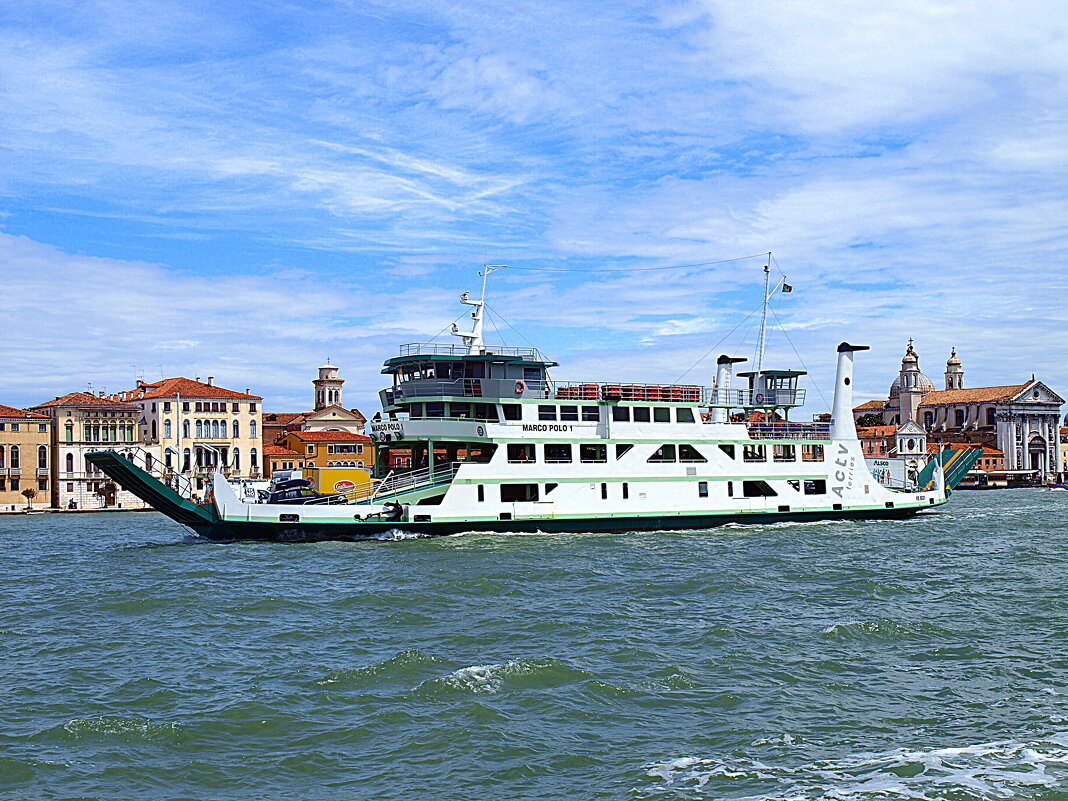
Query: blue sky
242	190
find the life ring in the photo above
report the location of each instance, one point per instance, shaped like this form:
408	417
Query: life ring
759	398
520	387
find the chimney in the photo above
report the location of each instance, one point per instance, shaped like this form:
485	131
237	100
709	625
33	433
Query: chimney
211	380
721	398
842	424
196	378
248	390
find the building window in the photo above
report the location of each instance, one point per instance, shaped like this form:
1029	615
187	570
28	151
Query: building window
237	429
15	457
166	406
311	450
69	431
252	407
185	406
199	406
185	429
200	429
958	417
42	456
167	429
168	458
928	419
15	426
252	458
237	458
252	429
990	416
42	427
70	462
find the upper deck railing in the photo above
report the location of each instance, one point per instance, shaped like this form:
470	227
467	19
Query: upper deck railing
790	430
442	349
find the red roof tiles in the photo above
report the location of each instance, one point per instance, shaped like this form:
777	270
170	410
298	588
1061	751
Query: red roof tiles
11	411
328	436
82	399
278	450
187	388
977	395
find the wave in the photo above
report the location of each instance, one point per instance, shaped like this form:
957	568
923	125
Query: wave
882	629
995	770
406	665
495	678
115	728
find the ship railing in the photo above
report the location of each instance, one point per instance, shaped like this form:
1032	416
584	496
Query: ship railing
492	389
748	398
149	463
612	391
789	430
416	479
444	349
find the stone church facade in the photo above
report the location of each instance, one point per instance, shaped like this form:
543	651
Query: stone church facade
1020	420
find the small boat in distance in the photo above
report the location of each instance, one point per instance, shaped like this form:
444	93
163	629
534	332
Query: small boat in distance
479	437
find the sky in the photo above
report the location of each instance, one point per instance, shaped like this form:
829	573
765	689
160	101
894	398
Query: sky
246	190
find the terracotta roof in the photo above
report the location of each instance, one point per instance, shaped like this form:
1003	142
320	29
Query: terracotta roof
82	399
978	395
278	450
11	411
328	436
187	388
870	432
281	418
872	404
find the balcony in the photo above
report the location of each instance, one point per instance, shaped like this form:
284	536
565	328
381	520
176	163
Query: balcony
491	388
42	472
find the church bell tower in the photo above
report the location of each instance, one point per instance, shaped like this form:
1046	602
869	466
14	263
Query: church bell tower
327	387
954	373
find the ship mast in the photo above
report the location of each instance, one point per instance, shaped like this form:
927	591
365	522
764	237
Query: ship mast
472	339
764	317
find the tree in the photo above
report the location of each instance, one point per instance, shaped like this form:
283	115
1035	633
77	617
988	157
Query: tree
870	419
29	494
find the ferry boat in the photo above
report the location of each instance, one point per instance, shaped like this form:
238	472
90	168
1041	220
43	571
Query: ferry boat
474	437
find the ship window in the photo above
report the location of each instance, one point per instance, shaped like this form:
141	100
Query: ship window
557	452
815	486
688	453
811	453
546	412
436	409
662	414
550	487
665	453
511	493
622	450
784	453
626	490
604	492
480	454
512	411
532	374
590	414
702	489
474	370
486	411
621	414
460	410
481	493
757	489
415	411
593	453
641	414
795	484
518	452
730	489
569	413
727	449
684	415
754	453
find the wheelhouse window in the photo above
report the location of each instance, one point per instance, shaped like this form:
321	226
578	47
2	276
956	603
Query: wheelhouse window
784	453
546	412
513	493
435	409
754	453
520	452
415	411
593	453
460	411
688	453
757	489
662	414
684	415
512	411
811	453
486	411
621	414
558	452
665	453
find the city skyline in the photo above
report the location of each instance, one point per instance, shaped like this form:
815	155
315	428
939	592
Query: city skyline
208	191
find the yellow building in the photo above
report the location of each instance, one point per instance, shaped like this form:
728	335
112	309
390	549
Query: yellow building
331	448
190	429
25	459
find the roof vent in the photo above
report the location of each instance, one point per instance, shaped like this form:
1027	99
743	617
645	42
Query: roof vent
211	380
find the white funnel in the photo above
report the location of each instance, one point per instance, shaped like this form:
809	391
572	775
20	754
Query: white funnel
842	424
724	373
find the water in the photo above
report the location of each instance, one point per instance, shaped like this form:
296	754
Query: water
920	660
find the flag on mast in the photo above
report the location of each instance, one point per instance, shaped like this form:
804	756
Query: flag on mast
786	288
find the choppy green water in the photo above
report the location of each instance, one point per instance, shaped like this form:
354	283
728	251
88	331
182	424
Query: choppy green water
924	659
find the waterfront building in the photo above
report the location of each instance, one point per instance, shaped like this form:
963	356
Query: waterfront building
331	448
328	413
83	423
193	428
25	459
1021	421
275	457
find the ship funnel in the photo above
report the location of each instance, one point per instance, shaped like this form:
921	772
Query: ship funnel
842	424
721	398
